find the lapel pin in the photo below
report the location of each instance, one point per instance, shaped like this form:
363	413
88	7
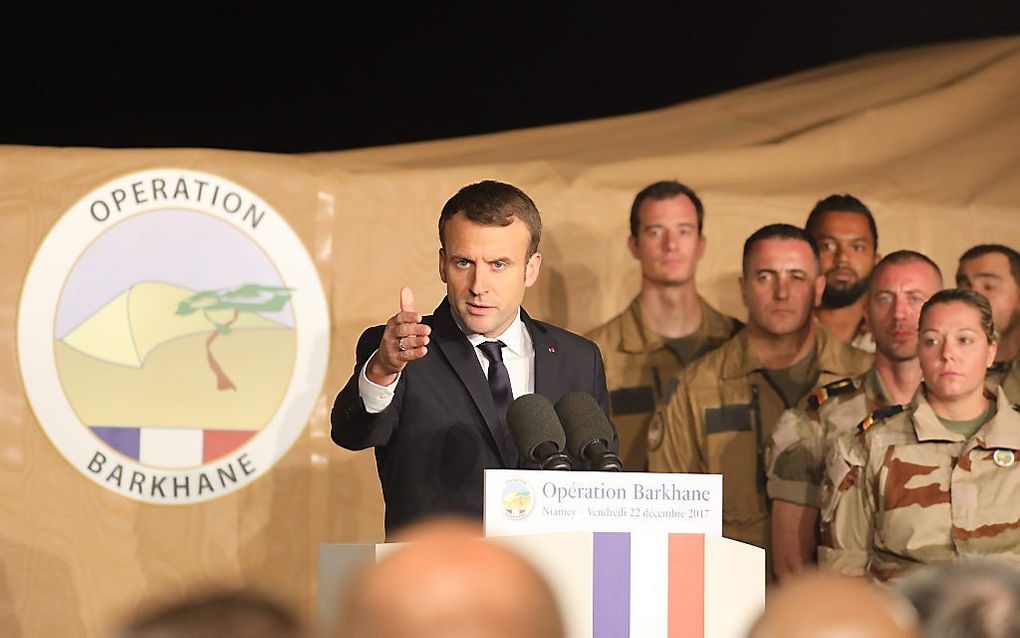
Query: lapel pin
552	349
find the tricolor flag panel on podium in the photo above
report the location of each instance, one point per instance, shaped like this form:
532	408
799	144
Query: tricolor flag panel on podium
649	584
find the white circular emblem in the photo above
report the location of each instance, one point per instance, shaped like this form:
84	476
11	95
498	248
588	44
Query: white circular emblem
1003	457
172	336
517	499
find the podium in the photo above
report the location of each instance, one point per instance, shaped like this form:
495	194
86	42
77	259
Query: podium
639	574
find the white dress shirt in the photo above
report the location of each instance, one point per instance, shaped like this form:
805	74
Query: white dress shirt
518	357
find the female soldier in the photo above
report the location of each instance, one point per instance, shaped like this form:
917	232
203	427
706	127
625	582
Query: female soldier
939	478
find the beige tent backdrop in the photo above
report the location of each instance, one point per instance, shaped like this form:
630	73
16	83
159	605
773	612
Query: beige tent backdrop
929	138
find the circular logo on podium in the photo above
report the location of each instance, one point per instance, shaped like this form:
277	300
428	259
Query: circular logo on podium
517	499
172	336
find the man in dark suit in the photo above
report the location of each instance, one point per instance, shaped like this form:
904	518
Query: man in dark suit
430	393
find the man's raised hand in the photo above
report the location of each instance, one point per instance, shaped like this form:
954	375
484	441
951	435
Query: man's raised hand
404	339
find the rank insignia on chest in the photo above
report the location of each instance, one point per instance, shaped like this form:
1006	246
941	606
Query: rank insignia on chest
1003	457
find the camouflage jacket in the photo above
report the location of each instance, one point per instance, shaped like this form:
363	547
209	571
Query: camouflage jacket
1005	374
721	414
795	453
639	365
863	339
907	490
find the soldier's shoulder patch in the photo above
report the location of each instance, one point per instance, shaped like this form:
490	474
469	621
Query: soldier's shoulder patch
879	415
829	390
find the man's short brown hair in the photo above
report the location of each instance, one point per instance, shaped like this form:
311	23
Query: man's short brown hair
492	203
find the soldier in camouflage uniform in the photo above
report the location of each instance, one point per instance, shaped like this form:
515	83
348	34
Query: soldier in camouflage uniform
847	239
668	324
937	479
795	455
994	271
1010	381
725	404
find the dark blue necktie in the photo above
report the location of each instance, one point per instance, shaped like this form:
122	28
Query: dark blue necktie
502	393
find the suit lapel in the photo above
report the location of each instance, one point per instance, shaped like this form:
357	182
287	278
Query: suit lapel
458	351
547	358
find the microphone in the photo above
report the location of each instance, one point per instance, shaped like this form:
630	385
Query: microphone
537	432
588	431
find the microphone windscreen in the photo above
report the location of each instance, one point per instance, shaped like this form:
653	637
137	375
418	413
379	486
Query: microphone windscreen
532	420
583	421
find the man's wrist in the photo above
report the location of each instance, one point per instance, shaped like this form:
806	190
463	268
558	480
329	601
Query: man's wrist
378	377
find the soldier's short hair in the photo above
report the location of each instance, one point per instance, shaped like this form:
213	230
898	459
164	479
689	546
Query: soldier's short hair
779	231
979	599
973	299
845	203
905	257
492	203
989	249
667	189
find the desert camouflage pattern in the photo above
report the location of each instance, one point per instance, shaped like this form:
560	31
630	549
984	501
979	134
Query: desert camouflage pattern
795	453
863	339
722	413
908	491
640	367
1005	374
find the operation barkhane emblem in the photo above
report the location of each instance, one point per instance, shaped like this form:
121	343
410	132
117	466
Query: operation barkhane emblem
517	499
172	336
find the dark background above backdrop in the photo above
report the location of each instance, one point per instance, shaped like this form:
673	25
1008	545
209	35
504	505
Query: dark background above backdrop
291	79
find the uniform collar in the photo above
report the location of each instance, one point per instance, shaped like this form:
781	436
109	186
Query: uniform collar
1003	431
927	425
741	361
875	387
639	338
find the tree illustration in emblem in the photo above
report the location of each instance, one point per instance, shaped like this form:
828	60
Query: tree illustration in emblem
252	298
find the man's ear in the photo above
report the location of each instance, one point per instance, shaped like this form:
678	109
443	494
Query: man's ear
442	263
819	289
531	270
632	246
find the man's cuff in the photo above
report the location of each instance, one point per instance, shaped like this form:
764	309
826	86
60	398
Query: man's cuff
804	494
375	397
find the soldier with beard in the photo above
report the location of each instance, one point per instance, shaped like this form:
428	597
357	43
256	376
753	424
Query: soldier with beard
847	239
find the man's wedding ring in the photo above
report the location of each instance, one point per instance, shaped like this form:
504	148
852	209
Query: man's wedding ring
400	344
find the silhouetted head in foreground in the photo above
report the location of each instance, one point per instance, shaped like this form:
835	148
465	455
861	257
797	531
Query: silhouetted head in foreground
972	600
236	614
449	582
819	605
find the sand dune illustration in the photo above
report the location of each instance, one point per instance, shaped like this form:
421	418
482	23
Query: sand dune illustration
176	389
142	318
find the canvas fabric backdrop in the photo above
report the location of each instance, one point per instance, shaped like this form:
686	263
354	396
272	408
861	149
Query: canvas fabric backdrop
928	138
